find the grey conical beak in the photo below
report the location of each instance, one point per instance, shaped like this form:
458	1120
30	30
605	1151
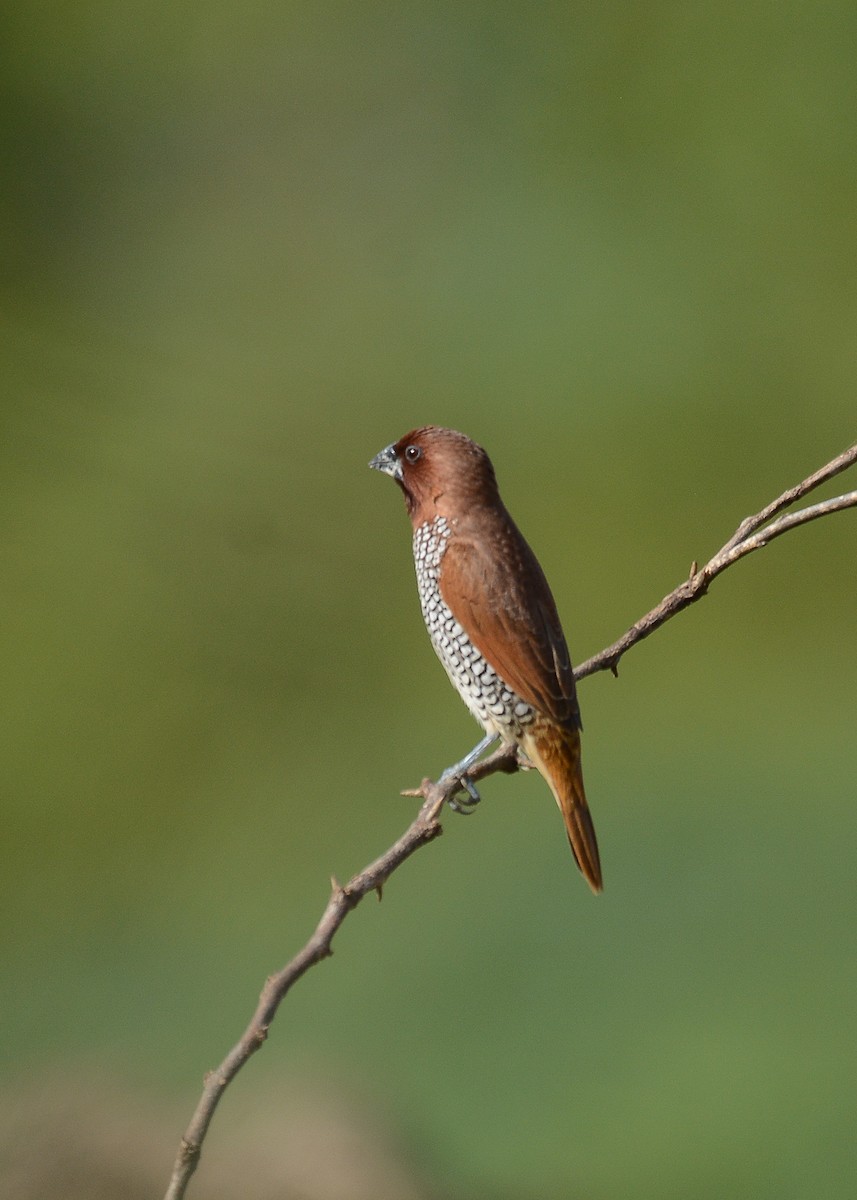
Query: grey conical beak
388	462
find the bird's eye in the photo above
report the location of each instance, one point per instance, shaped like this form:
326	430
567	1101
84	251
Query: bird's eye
412	453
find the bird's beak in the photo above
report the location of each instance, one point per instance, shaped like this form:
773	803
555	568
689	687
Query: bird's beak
388	462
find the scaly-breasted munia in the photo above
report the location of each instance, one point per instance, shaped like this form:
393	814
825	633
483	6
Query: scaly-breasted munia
491	617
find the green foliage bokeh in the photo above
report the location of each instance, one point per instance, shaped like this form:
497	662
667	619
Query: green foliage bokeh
246	247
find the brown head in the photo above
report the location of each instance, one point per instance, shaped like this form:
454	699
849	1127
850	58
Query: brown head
440	471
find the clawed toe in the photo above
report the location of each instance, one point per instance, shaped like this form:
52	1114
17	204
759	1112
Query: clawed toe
465	807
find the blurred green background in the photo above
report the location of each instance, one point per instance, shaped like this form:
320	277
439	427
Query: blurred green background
244	248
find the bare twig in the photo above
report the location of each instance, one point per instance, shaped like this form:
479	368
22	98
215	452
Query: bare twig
753	533
424	828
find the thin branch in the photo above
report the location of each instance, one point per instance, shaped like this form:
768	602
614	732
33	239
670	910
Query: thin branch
835	467
423	829
753	533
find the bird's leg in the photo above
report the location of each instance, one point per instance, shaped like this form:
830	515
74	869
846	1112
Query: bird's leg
460	769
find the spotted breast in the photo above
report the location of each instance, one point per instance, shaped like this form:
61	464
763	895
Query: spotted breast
493	703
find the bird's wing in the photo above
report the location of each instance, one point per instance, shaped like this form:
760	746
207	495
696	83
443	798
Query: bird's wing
498	593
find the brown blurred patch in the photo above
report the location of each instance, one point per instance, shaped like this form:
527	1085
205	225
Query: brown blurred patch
87	1137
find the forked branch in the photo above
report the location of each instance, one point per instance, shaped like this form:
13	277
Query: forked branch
753	533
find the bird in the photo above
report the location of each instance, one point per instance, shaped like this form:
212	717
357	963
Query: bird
492	619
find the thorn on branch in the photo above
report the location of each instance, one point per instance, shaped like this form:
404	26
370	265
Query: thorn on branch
422	792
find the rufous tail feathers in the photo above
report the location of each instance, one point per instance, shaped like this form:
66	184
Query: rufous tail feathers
555	752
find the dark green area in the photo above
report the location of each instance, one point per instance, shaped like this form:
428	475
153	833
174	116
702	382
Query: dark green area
245	247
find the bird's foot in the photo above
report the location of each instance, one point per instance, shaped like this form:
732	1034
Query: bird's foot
465	783
465	807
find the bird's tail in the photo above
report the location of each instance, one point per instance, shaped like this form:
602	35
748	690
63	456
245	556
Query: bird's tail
555	752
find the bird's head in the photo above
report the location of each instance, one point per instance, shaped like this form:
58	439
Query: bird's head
440	471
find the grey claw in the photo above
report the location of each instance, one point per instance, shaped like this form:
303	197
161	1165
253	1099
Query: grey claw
465	807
